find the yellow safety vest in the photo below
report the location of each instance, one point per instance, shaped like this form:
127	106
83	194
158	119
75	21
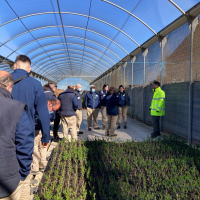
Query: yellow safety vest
158	102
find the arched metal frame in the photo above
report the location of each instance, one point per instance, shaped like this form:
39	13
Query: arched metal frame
85	71
83	60
66	64
75	27
65	56
68	27
78	14
77	59
69	43
174	4
72	44
32	59
63	68
115	5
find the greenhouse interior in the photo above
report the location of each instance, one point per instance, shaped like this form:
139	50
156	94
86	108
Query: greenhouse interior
104	99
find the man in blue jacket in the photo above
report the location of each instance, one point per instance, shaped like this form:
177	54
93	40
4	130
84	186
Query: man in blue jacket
112	106
29	91
124	103
69	105
92	104
16	144
102	95
79	110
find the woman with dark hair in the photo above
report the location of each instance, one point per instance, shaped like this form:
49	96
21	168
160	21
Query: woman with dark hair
102	95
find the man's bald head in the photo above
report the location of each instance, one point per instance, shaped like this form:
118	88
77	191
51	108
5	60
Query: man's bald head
6	81
78	86
23	62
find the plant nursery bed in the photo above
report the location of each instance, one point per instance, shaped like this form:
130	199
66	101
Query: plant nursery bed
100	170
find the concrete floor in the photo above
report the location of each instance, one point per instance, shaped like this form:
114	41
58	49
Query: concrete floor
135	130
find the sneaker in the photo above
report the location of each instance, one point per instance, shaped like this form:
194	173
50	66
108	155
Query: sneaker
97	128
34	172
106	134
113	135
104	127
89	129
80	132
125	127
118	127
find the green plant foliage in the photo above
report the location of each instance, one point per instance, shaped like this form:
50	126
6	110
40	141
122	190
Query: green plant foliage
100	170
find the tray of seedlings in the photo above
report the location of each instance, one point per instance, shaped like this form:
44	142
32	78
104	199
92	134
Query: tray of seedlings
100	170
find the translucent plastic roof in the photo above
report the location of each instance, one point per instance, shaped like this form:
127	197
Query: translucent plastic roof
81	38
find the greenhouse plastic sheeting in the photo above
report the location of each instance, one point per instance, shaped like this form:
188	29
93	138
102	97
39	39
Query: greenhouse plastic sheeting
196	112
81	38
176	103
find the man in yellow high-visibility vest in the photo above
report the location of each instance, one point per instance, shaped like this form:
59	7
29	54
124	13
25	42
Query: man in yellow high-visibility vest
157	107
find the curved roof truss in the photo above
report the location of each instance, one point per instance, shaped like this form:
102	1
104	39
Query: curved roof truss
79	14
65	57
98	58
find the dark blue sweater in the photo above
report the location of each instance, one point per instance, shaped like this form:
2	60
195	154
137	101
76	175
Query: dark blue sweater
79	99
112	105
124	98
69	103
92	100
30	92
102	95
16	143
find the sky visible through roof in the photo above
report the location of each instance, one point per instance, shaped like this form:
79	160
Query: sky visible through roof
81	38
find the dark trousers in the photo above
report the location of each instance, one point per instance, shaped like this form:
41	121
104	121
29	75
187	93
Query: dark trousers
156	125
56	125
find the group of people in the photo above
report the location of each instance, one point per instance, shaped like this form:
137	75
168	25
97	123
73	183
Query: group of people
27	109
26	112
113	105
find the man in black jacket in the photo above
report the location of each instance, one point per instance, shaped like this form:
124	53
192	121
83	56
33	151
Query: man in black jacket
69	105
16	144
79	110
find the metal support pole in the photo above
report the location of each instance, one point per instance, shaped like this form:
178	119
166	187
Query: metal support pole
132	61
125	64
192	26
145	52
162	45
118	69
